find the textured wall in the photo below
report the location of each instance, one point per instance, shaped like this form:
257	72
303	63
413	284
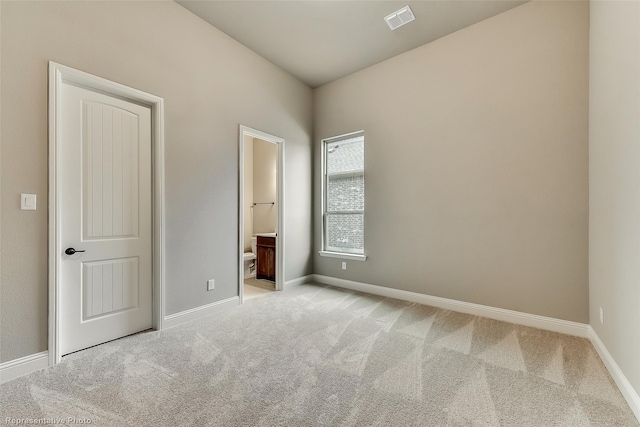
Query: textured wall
614	180
211	84
475	163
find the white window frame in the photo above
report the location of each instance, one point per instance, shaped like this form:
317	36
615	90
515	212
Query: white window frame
325	251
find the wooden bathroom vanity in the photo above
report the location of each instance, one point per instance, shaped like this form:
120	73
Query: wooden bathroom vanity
266	257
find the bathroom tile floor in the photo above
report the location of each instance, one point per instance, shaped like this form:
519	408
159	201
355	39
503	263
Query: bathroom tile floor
260	283
251	291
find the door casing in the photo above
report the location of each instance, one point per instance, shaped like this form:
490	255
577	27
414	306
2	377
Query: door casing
57	74
280	240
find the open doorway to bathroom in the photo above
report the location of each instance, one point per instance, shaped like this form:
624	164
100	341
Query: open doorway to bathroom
261	213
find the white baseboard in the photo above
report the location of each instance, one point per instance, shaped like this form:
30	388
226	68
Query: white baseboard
299	281
23	366
517	317
199	312
627	390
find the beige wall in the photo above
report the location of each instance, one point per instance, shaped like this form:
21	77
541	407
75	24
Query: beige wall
475	163
248	192
210	83
614	175
265	158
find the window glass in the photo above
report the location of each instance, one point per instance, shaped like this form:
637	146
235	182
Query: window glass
344	194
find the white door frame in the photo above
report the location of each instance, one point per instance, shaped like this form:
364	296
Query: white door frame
57	74
254	133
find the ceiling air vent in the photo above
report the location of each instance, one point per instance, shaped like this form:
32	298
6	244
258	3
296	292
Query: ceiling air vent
400	17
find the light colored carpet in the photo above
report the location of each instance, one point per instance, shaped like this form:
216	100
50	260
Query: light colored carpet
320	356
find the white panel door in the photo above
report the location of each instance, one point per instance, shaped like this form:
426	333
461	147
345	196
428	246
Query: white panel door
105	211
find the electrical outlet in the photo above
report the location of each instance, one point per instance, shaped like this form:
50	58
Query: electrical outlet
601	315
211	284
344	265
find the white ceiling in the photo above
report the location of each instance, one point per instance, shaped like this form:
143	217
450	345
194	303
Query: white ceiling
320	41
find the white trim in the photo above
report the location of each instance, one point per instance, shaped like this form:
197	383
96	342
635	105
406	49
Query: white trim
344	136
299	281
526	319
280	264
23	366
199	312
57	73
627	390
158	214
342	255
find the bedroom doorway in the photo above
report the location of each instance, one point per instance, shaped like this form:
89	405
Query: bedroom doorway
261	213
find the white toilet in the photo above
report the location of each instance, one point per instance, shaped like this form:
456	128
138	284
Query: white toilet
250	260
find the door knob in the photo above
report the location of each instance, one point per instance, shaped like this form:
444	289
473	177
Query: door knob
71	251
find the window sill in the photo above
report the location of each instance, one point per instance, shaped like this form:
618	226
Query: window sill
342	255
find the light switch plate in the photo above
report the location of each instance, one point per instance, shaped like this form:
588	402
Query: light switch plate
28	202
